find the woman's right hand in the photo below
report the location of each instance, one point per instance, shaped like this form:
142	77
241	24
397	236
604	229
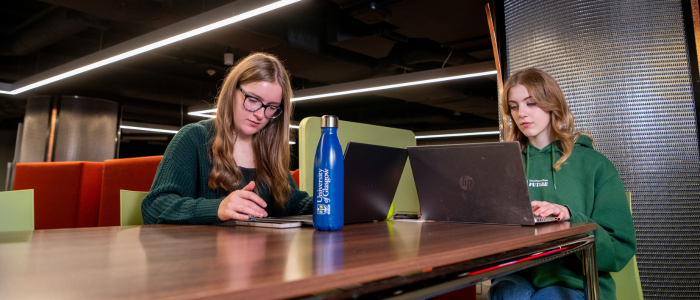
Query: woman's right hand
241	203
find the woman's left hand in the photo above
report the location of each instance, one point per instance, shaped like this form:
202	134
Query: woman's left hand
543	209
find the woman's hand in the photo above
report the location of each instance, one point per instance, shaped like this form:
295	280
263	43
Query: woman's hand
241	203
543	209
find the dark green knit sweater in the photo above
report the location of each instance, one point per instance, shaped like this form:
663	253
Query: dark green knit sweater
180	194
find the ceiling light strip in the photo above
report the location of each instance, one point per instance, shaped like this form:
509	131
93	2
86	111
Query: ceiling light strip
148	129
434	136
169	131
391	86
155	45
203	113
297	127
206	113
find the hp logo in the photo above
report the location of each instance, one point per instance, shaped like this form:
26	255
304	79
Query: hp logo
466	182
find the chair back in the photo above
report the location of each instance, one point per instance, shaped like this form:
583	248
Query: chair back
66	194
627	283
17	210
295	175
130	207
406	197
133	174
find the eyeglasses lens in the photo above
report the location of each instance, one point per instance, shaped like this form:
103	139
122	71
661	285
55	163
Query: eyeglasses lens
271	112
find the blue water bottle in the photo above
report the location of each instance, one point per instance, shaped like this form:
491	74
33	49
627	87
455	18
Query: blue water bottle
329	178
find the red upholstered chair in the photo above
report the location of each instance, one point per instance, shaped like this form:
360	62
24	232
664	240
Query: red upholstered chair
66	194
90	192
295	175
134	174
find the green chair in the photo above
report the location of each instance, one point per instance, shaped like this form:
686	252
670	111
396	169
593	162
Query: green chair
627	280
17	210
406	198
130	207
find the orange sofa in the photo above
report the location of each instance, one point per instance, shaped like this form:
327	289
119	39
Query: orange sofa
295	175
134	174
85	194
66	194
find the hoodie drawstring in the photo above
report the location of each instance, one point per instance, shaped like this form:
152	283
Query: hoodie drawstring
554	174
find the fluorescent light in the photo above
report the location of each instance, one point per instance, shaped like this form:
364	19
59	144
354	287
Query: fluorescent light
164	130
155	45
206	114
174	131
437	75
148	129
392	86
433	136
203	113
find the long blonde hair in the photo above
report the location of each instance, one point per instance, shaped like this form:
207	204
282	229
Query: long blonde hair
546	92
270	144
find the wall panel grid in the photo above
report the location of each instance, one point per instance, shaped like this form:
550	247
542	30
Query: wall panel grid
624	68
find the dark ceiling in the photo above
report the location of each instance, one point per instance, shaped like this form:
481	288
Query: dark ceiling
321	42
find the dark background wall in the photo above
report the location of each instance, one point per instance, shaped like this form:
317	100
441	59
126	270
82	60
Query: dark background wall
7	148
624	67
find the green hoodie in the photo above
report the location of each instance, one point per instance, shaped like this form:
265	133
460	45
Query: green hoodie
590	187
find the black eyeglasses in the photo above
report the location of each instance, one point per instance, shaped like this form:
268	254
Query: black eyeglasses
252	104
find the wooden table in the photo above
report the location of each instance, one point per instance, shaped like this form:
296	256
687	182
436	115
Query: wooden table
187	262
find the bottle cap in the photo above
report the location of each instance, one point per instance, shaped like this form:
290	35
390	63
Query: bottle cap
329	121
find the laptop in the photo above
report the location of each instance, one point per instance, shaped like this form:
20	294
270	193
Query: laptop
372	175
473	183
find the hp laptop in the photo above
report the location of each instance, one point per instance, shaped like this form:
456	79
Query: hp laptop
472	183
372	175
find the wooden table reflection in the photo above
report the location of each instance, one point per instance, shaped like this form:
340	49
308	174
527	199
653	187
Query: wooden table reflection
174	261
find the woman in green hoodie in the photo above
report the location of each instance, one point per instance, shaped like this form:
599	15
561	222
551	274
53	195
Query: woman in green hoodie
569	179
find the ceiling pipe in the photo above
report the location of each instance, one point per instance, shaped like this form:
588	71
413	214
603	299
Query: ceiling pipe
154	14
55	26
422	50
29	21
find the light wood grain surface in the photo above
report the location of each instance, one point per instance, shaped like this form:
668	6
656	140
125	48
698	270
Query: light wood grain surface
185	262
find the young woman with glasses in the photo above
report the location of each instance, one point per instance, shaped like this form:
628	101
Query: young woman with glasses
569	179
236	165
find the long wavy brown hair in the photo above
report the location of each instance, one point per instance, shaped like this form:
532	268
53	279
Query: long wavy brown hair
270	144
546	92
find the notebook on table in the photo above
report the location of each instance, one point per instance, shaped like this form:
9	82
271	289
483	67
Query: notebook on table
473	183
372	174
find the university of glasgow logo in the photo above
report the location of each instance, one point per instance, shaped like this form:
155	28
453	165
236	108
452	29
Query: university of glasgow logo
466	182
324	209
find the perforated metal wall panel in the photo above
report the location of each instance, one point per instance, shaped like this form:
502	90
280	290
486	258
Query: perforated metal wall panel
36	130
624	68
86	129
